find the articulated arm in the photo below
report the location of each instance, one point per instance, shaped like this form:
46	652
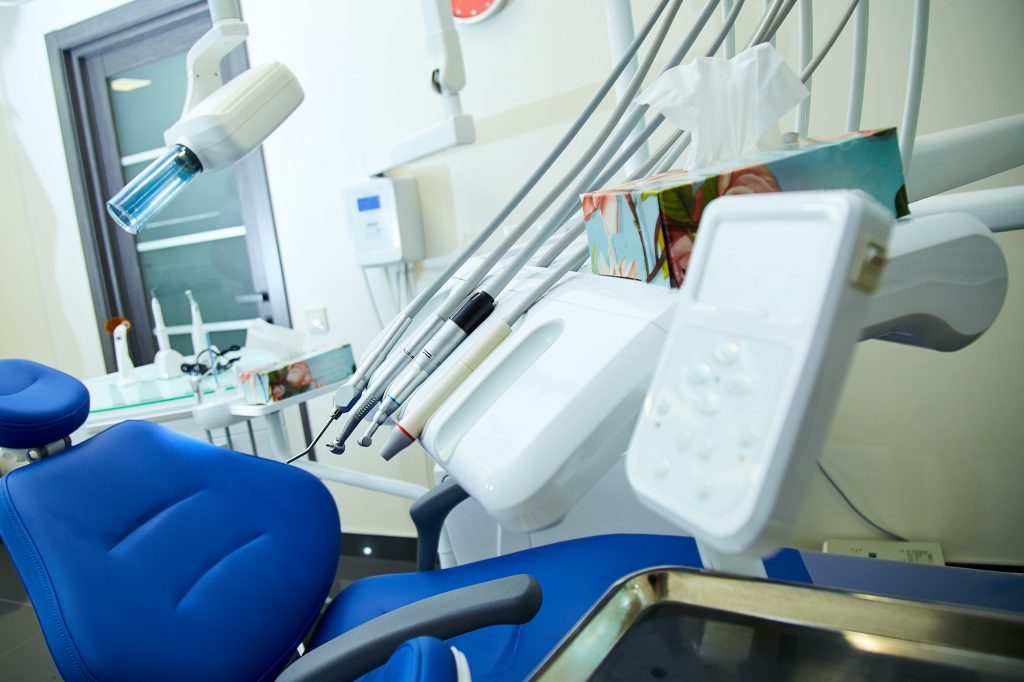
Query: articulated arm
506	601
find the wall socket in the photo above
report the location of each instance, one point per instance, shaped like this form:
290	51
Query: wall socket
890	550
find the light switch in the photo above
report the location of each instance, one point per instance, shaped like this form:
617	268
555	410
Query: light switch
316	320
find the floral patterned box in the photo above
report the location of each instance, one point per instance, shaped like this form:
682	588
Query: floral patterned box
304	373
644	230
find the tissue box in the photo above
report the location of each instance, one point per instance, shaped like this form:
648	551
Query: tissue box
644	230
303	373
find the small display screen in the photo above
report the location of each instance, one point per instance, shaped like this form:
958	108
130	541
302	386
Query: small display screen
371	203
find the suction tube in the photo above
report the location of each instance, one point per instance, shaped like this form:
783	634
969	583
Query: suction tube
149	191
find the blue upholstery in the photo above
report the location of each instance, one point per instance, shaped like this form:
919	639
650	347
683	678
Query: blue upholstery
38	404
572	575
423	659
152	556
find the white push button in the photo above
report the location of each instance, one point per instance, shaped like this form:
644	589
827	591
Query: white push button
727	353
747	437
700	373
662	469
664	406
705	447
683	440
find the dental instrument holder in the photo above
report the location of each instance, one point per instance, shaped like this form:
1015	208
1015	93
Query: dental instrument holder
551	410
125	367
167	361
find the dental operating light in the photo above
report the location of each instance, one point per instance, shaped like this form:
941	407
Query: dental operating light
221	122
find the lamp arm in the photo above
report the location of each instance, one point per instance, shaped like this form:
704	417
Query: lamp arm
444	46
204	58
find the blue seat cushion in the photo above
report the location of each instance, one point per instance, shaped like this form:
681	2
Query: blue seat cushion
152	556
423	659
573	575
38	404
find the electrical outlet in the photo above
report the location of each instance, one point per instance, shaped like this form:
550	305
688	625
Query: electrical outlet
316	320
890	550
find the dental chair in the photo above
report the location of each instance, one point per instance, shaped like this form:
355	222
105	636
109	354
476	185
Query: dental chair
150	555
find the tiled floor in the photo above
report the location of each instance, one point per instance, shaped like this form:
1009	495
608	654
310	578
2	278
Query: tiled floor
23	653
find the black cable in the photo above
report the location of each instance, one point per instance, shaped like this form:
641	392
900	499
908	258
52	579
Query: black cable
856	510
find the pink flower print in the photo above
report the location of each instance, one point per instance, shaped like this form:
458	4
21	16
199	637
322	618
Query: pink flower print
606	203
277	393
749	180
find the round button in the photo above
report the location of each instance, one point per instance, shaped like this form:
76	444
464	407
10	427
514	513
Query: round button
739	384
664	406
727	353
710	402
746	437
705	448
700	373
662	468
683	440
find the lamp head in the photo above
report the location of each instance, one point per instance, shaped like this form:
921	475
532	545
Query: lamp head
219	131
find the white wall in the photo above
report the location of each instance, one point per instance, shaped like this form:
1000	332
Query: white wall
926	442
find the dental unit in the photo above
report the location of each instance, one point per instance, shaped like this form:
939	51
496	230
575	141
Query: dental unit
619	460
559	215
347	396
401	389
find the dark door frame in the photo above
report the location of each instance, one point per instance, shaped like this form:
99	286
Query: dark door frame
86	123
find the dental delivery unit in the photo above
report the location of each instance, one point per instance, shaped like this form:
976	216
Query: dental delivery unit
632	385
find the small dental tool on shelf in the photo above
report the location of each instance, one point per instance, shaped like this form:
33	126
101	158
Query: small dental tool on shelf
118	328
167	361
200	339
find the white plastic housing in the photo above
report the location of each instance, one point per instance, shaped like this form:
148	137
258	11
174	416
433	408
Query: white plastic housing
383	217
238	116
944	285
773	304
551	409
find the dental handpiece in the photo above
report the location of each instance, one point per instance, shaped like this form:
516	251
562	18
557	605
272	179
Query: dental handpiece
372	391
422	408
462	323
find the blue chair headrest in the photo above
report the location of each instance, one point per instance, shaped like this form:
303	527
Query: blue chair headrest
38	404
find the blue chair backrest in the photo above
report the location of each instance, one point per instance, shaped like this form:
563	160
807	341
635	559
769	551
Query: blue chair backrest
152	556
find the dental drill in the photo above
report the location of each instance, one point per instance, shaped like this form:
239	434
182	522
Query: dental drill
345	398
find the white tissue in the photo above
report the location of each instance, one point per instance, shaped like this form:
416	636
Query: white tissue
731	106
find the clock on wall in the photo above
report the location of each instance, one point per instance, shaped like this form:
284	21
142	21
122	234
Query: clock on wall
472	11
